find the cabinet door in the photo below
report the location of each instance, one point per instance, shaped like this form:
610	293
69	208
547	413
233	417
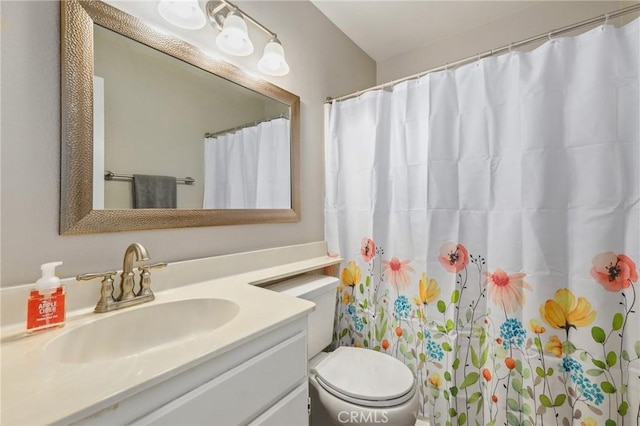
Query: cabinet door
292	410
241	393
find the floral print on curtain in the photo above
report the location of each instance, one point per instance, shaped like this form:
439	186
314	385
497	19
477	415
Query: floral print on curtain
478	360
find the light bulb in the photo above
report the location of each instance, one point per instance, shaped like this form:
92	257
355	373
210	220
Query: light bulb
234	38
182	13
273	61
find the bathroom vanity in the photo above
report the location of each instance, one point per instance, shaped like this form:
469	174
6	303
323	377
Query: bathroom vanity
268	387
216	351
262	381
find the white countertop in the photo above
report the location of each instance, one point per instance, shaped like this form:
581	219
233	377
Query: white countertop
37	390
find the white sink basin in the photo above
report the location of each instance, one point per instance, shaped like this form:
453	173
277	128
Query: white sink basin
135	330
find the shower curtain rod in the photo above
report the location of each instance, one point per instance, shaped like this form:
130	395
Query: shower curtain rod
244	126
503	49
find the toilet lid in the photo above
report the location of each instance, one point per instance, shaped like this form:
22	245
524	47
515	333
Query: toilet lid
366	375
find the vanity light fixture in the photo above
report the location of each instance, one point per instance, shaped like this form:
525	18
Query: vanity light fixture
234	36
182	13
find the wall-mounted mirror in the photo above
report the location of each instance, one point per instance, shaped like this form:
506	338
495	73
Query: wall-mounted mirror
155	134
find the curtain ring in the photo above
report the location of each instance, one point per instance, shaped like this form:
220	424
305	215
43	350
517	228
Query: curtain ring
549	35
606	20
510	44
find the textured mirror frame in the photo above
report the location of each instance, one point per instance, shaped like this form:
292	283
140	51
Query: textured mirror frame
76	161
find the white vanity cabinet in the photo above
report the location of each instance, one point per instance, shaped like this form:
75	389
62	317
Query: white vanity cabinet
261	382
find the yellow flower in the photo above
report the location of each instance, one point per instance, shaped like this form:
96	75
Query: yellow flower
589	421
429	291
536	327
351	274
554	346
346	297
564	311
435	380
358	344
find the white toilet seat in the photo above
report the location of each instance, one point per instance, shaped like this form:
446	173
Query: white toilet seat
365	378
373	403
329	410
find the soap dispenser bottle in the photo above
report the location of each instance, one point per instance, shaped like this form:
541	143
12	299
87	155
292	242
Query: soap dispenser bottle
45	306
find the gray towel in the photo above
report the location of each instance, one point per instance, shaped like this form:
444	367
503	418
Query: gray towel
154	192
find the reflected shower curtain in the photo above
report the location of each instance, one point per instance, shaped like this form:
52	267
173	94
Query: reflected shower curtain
249	168
488	218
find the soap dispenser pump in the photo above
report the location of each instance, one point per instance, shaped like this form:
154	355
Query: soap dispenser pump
46	304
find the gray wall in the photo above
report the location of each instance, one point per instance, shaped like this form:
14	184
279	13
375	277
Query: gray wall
323	63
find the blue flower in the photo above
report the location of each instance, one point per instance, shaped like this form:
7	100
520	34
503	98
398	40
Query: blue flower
402	307
590	390
570	364
351	309
512	333
357	322
434	350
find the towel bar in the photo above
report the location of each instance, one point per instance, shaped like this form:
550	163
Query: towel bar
111	176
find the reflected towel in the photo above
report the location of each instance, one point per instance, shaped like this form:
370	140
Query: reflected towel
154	192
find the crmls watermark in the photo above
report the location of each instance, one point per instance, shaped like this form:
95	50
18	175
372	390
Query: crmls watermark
363	417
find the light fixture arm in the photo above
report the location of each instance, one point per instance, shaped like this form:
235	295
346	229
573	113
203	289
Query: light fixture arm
216	12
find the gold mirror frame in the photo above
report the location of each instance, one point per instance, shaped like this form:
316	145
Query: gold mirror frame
77	215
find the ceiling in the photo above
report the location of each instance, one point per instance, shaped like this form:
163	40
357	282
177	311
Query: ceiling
384	29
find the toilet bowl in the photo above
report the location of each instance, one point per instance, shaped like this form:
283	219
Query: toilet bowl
350	386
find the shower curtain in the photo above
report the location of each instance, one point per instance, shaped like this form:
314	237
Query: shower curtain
249	168
489	222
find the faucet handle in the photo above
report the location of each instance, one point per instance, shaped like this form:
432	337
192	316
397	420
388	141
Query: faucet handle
106	290
158	265
145	279
93	276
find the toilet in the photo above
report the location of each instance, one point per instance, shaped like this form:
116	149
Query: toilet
349	386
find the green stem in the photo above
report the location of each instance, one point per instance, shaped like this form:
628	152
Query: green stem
544	382
524	355
624	325
508	382
547	385
613	380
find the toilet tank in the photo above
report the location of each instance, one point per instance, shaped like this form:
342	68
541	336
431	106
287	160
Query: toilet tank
321	290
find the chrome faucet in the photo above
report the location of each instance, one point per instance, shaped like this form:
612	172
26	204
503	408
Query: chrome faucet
127	295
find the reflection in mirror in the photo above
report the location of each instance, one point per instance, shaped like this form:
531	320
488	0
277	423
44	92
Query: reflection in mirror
164	117
176	108
248	167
